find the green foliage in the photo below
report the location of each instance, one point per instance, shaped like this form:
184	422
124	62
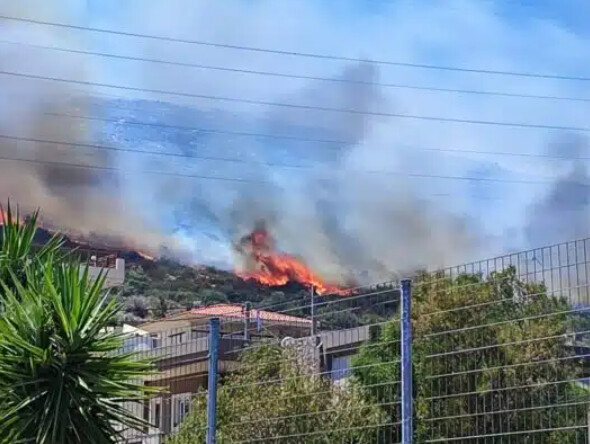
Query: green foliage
272	396
17	252
62	378
169	285
503	365
137	282
209	296
160	306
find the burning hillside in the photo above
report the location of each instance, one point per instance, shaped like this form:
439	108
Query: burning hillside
270	267
85	245
263	263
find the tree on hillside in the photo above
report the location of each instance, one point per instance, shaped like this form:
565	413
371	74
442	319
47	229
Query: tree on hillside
491	357
209	296
272	396
160	306
62	377
137	307
137	282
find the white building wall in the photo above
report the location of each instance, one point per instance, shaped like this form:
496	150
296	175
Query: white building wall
115	276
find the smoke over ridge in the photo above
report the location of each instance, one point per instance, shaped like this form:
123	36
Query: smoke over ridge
353	208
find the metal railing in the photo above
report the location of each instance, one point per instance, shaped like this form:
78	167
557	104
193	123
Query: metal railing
495	351
91	256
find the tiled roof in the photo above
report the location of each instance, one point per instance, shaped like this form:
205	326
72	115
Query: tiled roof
237	311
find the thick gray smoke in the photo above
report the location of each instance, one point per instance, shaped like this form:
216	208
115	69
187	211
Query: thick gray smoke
345	221
330	186
81	201
563	213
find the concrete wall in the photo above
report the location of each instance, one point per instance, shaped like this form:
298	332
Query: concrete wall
115	276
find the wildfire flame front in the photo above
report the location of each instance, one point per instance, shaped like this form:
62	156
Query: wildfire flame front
273	268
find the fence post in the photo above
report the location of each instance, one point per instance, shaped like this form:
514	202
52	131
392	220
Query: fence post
212	382
312	309
247	311
406	346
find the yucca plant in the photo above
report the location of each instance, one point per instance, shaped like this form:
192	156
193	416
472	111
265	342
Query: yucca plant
18	252
62	376
63	379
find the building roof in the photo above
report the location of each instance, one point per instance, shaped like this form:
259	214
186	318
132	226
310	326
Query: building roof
237	311
231	311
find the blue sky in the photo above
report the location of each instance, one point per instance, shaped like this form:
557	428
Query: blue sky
522	36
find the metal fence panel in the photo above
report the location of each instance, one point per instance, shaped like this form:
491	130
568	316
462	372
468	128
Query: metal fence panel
500	354
287	372
503	349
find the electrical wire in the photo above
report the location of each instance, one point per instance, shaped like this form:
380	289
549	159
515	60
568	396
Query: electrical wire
113	169
303	107
344	143
282	165
294	53
300	76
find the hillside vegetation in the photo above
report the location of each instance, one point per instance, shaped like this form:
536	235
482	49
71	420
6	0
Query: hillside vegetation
153	289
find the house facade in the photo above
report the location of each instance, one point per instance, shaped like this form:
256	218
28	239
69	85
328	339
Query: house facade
180	346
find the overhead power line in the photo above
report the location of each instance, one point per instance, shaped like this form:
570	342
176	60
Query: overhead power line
281	165
114	169
335	80
156	153
295	53
126	122
338	144
302	107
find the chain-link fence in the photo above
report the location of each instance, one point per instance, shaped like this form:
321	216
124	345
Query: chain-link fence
499	355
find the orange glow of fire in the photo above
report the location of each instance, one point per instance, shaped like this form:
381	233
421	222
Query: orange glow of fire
274	268
73	236
146	256
4	217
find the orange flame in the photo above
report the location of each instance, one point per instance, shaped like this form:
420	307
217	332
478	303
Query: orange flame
274	268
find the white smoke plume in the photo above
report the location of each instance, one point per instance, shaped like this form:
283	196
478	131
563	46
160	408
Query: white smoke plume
84	202
387	198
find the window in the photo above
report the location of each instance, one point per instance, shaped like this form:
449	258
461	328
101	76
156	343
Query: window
158	414
177	338
155	416
181	404
341	367
156	341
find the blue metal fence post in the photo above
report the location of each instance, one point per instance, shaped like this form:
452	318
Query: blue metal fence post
212	386
406	345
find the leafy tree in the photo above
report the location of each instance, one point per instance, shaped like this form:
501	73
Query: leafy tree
137	306
330	319
137	282
272	396
503	365
209	296
62	378
160	306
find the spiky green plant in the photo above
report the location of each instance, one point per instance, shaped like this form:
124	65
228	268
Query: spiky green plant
62	377
18	252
